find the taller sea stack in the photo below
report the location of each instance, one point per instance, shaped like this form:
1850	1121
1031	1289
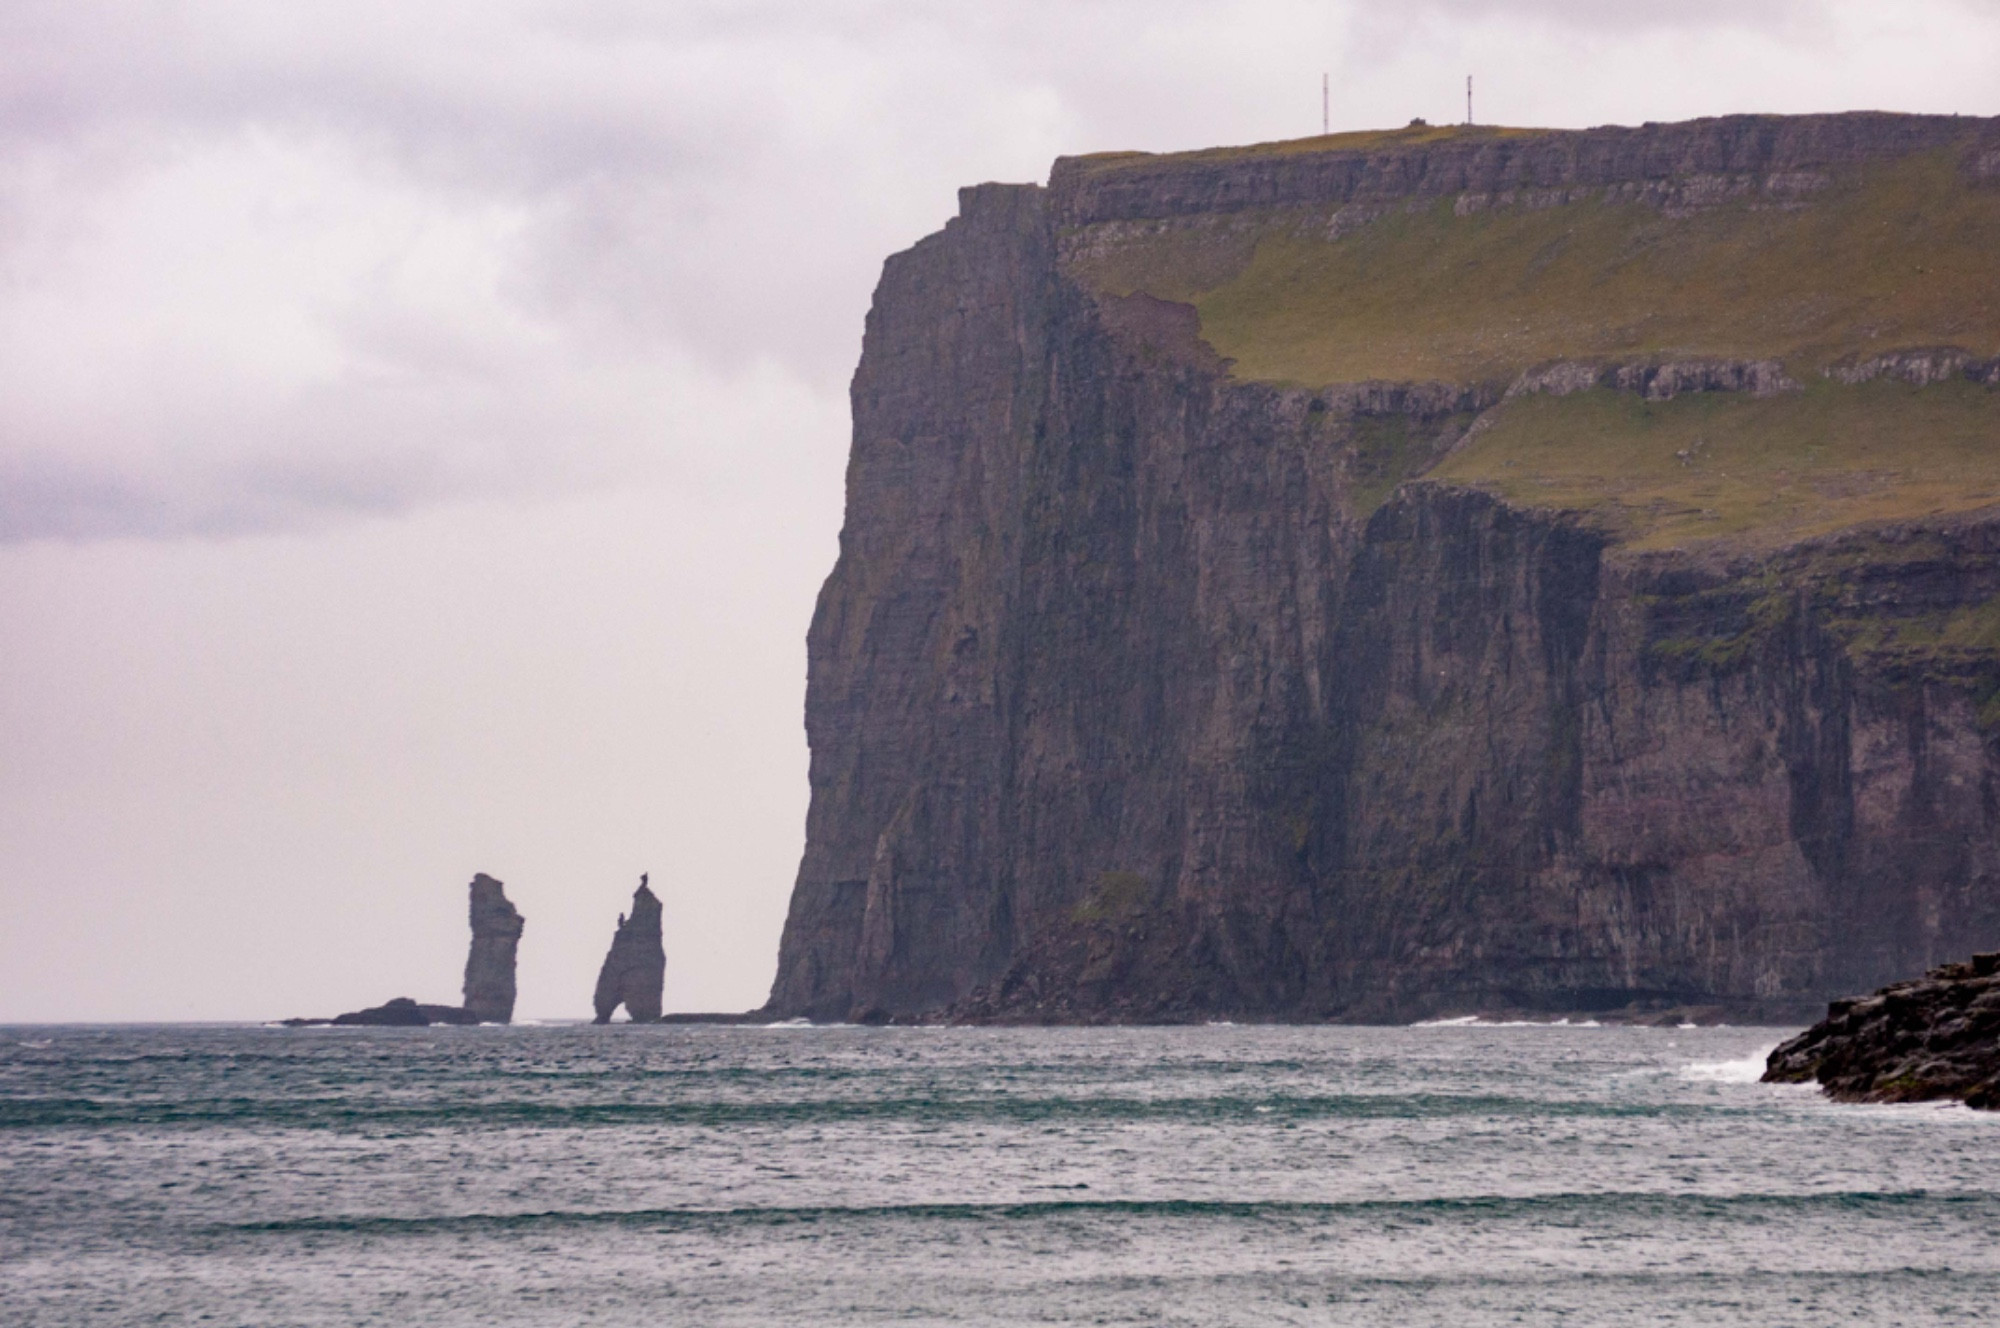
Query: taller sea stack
1400	574
489	972
489	965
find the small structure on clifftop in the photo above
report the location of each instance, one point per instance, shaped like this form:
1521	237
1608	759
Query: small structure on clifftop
1936	1037
635	971
489	973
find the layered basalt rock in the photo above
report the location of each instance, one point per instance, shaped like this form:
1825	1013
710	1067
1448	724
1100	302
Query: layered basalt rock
1146	689
1935	1038
1674	165
635	970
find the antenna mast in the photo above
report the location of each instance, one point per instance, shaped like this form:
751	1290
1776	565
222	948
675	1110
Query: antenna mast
1325	107
1468	99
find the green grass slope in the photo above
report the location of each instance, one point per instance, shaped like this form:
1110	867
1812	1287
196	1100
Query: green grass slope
1893	254
1767	470
1369	140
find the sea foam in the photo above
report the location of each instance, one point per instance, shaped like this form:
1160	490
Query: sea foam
1746	1070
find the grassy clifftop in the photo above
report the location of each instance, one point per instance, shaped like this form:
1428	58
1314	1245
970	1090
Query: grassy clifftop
1364	140
1809	271
1813	268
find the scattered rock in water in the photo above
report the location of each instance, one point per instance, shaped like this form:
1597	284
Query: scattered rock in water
402	1012
399	1013
1935	1038
635	971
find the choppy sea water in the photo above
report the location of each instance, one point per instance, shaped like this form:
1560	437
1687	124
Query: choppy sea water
730	1175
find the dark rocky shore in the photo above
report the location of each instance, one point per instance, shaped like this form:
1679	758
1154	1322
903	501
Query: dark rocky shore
1935	1038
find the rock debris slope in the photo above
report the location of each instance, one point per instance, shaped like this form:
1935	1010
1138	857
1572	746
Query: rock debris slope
635	970
1403	574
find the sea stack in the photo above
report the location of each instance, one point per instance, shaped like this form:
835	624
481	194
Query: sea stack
635	970
489	968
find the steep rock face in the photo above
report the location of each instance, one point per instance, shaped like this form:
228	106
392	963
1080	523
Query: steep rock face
489	965
1143	691
1569	779
907	640
635	970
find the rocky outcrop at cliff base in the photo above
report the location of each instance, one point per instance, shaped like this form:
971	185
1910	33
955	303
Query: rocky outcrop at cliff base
1935	1038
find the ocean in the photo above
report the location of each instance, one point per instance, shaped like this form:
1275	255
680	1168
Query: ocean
1455	1174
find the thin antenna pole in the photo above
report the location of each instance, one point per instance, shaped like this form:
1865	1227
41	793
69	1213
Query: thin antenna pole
1468	99
1325	107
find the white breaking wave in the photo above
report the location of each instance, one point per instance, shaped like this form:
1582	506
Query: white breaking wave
1479	1021
1747	1070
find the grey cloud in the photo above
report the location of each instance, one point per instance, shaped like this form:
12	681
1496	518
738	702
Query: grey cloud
1627	17
51	497
708	188
46	497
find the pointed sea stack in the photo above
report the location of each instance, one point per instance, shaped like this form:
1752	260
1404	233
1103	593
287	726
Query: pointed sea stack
489	968
635	971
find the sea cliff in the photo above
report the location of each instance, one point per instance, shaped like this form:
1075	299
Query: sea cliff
1410	574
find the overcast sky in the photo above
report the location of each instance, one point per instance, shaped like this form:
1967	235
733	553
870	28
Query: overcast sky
422	424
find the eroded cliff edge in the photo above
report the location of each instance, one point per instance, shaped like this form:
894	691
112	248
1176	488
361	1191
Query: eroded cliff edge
1399	575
